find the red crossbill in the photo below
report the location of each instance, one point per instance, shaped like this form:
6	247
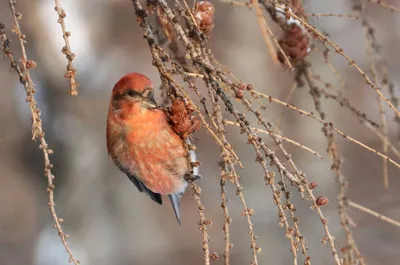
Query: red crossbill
142	143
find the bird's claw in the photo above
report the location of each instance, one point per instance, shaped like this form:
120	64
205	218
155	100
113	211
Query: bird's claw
197	177
192	177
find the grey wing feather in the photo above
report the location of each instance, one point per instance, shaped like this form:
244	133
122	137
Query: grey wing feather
142	188
139	185
174	198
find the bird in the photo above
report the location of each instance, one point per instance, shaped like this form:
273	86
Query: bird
143	145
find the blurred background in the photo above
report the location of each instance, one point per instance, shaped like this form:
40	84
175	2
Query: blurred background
108	220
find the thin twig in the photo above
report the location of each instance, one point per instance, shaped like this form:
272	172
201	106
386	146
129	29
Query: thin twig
37	130
287	99
71	71
362	117
203	223
318	15
237	3
230	172
340	51
267	35
281	137
373	213
326	123
351	249
373	53
224	206
385	5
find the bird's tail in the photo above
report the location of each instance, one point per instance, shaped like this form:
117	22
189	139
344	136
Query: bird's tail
175	199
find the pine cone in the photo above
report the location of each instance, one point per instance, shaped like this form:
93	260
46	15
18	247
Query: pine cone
204	15
295	45
183	122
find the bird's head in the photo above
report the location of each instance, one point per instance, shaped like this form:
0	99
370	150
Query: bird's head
135	90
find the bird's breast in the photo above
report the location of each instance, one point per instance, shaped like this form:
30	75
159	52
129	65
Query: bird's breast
149	149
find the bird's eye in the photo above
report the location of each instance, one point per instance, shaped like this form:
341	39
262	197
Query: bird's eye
131	93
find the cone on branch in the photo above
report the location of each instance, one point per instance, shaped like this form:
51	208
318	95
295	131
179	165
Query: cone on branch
204	15
295	44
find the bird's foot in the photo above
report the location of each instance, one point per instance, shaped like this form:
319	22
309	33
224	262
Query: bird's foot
192	177
197	177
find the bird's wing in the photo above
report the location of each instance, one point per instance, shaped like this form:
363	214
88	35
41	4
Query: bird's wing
139	185
142	188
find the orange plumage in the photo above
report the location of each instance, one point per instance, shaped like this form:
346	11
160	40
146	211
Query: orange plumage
142	144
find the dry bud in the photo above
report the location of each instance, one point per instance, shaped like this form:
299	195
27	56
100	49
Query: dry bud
258	250
239	93
30	64
18	15
321	201
214	256
313	185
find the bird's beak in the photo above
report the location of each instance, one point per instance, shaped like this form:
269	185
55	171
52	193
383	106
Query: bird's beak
149	103
152	100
